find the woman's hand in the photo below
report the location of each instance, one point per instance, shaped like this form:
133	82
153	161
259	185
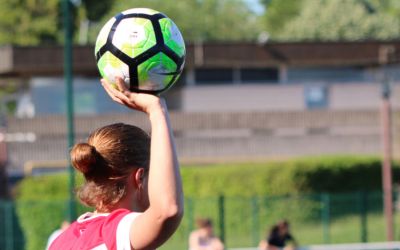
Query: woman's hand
147	103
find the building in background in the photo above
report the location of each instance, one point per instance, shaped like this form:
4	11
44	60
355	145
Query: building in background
271	76
235	101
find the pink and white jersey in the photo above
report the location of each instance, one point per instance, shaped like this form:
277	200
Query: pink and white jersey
97	232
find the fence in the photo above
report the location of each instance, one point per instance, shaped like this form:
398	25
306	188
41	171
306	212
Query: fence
391	245
215	136
243	221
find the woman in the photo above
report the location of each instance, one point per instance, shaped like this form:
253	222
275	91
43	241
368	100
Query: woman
133	183
279	237
203	238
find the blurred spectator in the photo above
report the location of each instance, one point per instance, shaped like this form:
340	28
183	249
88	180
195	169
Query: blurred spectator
279	237
64	225
203	238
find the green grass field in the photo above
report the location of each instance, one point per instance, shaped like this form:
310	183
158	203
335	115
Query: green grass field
342	230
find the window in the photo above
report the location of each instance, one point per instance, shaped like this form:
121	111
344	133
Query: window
215	75
254	75
316	96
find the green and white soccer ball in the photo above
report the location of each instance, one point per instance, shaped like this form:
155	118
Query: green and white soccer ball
142	46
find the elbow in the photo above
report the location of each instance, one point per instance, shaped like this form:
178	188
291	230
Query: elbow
171	213
168	208
174	212
173	208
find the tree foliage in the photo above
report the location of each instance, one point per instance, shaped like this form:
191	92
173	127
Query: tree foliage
325	20
29	22
33	22
95	9
279	13
202	20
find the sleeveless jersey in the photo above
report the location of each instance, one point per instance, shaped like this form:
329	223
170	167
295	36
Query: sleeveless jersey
97	232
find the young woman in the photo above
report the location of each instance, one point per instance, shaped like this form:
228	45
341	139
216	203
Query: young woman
203	238
279	238
133	183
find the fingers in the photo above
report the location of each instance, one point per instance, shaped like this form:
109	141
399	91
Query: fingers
110	91
121	98
121	85
123	89
114	94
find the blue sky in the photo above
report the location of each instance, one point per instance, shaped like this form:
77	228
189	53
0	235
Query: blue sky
255	5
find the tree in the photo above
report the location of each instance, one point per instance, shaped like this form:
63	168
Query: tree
29	22
201	20
95	9
279	13
33	22
347	20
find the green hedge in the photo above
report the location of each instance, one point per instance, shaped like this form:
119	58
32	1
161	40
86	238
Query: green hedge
41	200
304	175
41	204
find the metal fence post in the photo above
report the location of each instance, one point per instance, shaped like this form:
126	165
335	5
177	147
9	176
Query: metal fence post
325	216
9	225
190	214
68	76
221	214
3	226
386	136
363	198
255	220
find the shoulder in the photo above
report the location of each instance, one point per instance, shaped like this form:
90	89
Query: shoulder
193	237
116	216
120	222
273	235
195	232
90	231
55	234
52	237
216	240
64	238
116	226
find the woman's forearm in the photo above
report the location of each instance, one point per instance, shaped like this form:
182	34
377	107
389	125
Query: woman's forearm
165	187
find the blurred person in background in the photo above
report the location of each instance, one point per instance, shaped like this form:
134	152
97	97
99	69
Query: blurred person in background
132	181
279	237
203	238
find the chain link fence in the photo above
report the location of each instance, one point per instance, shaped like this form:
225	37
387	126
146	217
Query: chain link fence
244	221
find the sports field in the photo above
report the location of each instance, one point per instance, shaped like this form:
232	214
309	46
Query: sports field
279	110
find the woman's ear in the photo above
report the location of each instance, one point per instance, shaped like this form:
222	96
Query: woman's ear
138	177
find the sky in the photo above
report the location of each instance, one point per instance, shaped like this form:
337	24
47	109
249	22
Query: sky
255	6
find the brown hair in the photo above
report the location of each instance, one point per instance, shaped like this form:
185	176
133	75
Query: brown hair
106	160
203	222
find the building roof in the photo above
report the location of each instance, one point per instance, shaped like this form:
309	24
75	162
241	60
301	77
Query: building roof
48	60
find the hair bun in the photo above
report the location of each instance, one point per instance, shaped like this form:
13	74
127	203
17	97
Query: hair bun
84	157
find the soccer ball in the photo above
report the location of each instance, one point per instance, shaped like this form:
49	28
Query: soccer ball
142	46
